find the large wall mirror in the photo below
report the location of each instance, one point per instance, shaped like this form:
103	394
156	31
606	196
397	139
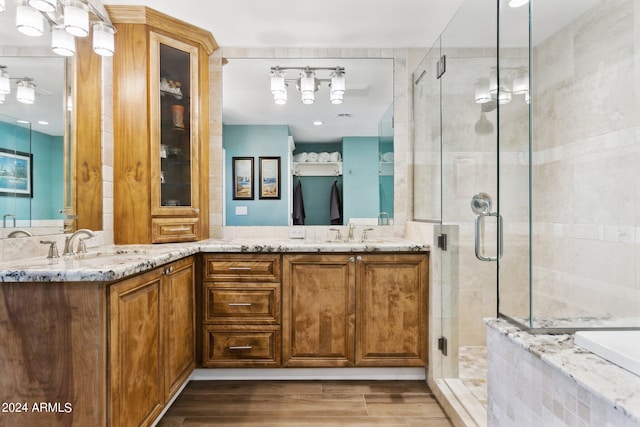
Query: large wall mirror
33	136
358	133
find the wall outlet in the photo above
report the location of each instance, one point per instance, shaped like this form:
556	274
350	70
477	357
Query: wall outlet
241	210
296	233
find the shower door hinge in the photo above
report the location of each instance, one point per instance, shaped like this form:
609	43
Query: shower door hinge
442	345
441	66
442	242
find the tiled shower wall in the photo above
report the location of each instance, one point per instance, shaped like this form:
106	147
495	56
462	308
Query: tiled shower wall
586	157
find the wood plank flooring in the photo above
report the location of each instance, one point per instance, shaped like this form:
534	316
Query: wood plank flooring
305	403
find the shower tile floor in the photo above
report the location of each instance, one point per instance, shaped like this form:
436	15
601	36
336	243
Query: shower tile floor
473	371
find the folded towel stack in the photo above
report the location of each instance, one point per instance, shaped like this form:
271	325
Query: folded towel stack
322	157
387	157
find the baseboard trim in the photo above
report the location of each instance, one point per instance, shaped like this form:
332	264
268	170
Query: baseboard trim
309	374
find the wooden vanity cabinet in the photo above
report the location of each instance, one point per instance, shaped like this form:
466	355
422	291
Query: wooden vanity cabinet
161	127
354	310
391	310
318	305
152	341
241	310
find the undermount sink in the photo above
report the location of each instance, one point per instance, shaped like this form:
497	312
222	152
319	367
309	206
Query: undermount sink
107	253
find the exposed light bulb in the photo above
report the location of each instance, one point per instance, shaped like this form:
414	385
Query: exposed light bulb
2	6
2	97
517	3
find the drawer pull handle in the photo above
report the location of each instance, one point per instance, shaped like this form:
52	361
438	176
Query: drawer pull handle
175	230
239	268
239	304
240	347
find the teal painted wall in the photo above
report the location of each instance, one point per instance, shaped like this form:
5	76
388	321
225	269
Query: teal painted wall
361	197
386	182
48	174
256	141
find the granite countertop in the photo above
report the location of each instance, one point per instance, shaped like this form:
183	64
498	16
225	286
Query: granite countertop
109	263
615	385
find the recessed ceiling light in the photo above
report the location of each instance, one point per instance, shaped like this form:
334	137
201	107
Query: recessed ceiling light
24	122
317	123
43	122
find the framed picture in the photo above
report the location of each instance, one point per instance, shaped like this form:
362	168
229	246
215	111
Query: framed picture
16	173
242	178
270	177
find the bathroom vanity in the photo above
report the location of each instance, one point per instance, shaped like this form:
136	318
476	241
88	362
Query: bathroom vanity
110	337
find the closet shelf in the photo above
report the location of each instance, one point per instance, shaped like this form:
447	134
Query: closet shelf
317	168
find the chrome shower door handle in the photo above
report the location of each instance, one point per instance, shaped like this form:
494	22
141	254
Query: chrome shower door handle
479	253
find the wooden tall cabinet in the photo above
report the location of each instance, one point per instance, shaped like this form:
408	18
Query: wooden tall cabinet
161	129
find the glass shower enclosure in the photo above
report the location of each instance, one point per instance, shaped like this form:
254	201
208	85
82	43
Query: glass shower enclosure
526	160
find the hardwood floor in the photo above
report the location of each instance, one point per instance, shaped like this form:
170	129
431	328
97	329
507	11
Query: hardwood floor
305	403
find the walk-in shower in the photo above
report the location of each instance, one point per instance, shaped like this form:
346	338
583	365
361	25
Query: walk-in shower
554	142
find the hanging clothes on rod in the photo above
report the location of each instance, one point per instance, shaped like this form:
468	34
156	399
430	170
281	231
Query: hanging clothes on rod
335	205
298	205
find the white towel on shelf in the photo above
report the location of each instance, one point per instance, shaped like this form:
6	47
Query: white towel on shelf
387	157
300	157
312	157
336	156
324	157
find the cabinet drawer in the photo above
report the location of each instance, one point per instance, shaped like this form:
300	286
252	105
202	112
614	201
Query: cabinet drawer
241	346
242	303
249	267
167	230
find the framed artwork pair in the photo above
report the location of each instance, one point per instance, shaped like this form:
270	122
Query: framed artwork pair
243	178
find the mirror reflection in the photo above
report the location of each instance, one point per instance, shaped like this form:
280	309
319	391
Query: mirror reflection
327	148
32	146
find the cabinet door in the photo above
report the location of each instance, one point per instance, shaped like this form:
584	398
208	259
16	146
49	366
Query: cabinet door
174	127
391	310
318	310
136	368
178	289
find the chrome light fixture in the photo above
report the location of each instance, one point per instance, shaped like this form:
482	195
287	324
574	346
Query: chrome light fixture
26	91
307	83
2	6
5	83
73	16
2	95
28	20
517	3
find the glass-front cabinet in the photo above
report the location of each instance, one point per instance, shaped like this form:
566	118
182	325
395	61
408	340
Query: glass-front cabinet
173	140
161	158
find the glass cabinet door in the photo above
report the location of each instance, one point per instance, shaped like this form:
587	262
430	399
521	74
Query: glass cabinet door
174	136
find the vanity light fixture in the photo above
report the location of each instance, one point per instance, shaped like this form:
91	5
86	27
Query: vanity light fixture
513	81
5	82
28	20
62	42
73	16
26	91
76	18
307	83
2	95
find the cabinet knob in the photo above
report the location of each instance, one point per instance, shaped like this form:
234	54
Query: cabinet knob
358	258
352	259
196	211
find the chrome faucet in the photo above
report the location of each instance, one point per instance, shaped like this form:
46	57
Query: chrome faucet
352	227
19	232
4	220
68	242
